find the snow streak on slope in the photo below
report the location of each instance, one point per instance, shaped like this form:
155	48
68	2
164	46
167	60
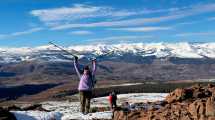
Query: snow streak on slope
160	50
65	110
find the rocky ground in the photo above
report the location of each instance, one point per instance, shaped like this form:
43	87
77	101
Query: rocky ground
67	110
193	103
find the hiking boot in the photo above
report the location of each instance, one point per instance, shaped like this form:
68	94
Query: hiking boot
85	113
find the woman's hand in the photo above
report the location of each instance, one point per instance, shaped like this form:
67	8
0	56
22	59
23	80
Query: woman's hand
76	58
94	61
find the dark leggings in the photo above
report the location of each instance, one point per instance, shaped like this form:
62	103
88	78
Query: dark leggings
85	97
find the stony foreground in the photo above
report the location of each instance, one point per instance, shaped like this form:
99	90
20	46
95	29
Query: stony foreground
66	110
194	103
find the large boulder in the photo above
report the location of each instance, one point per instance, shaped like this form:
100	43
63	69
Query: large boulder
200	92
34	107
210	106
211	88
197	109
119	115
175	95
179	94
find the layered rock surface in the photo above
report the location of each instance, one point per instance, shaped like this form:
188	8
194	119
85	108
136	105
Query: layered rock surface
193	103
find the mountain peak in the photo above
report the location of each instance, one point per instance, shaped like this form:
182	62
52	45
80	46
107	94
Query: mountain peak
49	52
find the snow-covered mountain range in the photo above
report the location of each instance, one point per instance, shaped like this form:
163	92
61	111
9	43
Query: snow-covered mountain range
160	50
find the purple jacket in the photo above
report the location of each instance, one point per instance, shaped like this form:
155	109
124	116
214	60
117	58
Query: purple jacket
86	82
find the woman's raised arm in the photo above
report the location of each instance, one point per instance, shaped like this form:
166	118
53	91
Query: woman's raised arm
76	65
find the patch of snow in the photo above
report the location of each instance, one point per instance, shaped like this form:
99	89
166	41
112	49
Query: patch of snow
132	98
36	115
127	84
90	116
65	110
71	110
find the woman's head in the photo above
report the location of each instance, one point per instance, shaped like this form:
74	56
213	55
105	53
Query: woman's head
86	69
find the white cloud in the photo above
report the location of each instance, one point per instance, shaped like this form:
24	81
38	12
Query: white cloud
57	17
211	18
130	22
2	36
27	31
203	8
188	23
32	30
142	29
81	32
177	14
64	13
151	11
195	34
118	39
77	12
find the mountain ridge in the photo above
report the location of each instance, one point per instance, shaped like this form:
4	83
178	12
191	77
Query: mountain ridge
159	50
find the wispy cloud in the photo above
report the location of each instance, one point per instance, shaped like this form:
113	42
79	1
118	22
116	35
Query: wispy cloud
118	39
2	36
195	21
32	30
77	12
27	31
211	18
53	16
81	32
185	12
142	29
64	13
130	22
195	34
151	11
189	23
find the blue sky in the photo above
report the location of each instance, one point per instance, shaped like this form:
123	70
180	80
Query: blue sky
75	22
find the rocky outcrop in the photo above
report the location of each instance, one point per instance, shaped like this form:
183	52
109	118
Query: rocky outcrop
178	95
6	115
194	103
197	109
210	106
24	107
